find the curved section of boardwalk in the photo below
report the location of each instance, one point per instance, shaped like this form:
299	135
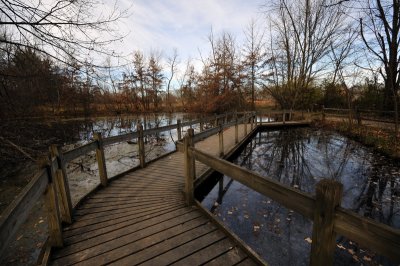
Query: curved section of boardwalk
141	218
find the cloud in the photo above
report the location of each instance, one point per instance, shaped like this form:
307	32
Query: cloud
182	24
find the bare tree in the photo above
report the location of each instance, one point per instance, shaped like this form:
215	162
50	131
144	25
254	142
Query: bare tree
254	55
343	56
380	32
172	62
60	29
304	32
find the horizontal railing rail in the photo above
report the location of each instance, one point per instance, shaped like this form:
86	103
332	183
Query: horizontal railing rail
359	114
324	209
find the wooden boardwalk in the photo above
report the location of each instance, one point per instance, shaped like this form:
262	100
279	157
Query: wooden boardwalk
141	218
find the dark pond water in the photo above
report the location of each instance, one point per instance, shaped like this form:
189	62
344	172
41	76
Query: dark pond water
300	158
83	129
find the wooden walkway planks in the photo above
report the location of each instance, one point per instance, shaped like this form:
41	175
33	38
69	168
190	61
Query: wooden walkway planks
141	218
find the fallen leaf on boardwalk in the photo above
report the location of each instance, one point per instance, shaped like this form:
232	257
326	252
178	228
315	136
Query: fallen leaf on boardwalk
41	221
20	237
351	251
340	246
256	228
366	258
355	258
308	240
246	216
229	212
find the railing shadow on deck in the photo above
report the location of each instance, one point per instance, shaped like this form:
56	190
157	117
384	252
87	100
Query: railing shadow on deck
329	218
52	181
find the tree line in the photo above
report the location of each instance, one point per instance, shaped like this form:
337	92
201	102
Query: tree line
301	54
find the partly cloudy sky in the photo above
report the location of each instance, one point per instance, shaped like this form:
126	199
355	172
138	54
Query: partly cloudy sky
184	24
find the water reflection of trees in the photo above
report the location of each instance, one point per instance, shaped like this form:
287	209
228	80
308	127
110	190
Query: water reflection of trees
301	157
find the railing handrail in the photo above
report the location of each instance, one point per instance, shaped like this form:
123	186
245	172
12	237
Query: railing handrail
379	237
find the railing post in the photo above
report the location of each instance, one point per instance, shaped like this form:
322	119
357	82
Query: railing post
236	130
283	117
323	113
179	129
328	197
189	164
53	213
141	149
201	124
101	160
246	120
63	186
221	140
216	121
226	119
269	118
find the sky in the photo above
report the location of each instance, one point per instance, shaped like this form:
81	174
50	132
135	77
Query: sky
163	25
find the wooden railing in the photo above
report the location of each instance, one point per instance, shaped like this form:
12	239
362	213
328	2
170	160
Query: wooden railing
51	180
359	114
324	209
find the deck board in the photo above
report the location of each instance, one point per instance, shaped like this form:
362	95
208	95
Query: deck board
140	218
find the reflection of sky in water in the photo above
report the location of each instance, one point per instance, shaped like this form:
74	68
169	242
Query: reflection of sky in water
114	126
300	158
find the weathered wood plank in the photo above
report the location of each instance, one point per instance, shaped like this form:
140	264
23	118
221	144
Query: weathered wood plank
77	152
149	237
120	138
83	247
168	245
91	216
116	220
328	197
231	257
247	262
207	254
131	213
186	249
126	206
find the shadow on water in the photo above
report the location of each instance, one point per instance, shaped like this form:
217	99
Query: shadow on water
300	158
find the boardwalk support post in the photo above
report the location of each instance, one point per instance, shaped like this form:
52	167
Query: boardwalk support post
101	160
53	213
179	129
246	120
201	124
63	187
328	197
252	121
236	131
284	117
221	140
141	151
189	164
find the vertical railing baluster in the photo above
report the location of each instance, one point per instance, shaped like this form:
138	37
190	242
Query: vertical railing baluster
101	161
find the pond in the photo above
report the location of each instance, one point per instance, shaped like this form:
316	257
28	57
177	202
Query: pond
299	158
